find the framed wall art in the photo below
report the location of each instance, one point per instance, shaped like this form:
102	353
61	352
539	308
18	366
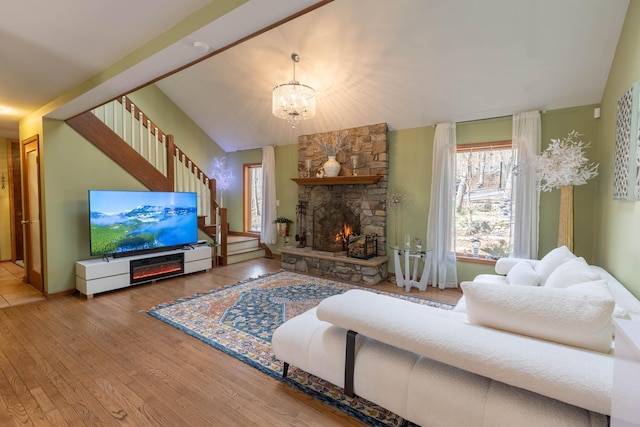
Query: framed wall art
626	176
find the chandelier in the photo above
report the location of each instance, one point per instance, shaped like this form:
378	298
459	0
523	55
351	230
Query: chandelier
293	101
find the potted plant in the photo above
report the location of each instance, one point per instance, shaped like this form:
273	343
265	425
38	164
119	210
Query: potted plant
283	225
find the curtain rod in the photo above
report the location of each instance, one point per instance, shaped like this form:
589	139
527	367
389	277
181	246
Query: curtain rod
487	118
492	118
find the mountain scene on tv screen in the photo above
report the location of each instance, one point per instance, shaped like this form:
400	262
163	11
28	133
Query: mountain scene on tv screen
143	228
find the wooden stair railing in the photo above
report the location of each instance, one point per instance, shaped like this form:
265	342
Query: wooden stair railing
94	130
164	167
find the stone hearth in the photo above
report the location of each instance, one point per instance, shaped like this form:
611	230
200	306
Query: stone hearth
337	266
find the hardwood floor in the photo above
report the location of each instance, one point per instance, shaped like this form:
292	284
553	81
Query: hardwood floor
104	362
12	289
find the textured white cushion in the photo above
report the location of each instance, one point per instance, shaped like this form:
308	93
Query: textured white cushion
571	317
600	288
491	278
571	272
503	265
552	260
523	274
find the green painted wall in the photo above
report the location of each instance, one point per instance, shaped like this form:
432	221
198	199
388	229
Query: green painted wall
410	158
72	167
286	189
498	129
618	222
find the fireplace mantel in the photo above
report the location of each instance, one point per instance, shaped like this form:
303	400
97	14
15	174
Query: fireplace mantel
338	180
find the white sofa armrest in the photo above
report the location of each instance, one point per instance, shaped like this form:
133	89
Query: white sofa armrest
503	265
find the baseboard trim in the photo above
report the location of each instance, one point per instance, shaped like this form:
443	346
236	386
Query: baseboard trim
60	294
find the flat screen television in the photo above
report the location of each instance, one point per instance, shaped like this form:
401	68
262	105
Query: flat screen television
129	222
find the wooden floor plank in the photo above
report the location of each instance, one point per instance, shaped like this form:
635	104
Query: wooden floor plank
104	361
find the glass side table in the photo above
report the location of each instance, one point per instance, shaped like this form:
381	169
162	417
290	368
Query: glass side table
406	279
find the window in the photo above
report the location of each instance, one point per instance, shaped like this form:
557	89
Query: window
483	201
252	197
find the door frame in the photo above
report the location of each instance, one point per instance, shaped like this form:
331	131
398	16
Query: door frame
15	199
33	277
246	197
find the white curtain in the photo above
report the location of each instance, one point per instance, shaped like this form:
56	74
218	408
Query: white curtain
268	232
526	146
441	226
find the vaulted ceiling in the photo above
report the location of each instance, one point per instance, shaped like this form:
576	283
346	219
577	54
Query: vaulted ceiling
408	63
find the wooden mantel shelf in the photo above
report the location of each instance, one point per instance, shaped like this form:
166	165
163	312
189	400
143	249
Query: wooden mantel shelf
338	180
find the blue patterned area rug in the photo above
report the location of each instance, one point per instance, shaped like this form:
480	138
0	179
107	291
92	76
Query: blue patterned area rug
240	319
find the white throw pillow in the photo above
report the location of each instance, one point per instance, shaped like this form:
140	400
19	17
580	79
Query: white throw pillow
600	287
575	318
571	272
552	260
523	274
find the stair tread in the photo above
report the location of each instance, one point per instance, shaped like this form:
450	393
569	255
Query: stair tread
235	239
243	251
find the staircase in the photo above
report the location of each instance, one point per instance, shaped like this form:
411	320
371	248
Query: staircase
131	139
243	248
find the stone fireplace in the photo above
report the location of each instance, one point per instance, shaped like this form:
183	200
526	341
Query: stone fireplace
337	207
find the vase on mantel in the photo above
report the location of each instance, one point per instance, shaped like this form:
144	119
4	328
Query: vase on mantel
331	167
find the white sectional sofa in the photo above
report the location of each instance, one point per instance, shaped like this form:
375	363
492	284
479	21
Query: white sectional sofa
529	346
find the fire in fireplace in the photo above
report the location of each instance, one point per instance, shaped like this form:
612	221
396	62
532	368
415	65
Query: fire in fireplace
332	226
343	236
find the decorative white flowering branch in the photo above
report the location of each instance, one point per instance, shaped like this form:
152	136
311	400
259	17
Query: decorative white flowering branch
396	201
331	145
222	174
564	163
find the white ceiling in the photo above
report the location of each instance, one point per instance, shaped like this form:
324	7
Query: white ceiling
408	63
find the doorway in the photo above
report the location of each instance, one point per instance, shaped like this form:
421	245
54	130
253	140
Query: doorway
252	197
14	287
15	201
31	220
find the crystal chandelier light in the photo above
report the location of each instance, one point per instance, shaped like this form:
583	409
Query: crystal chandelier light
293	101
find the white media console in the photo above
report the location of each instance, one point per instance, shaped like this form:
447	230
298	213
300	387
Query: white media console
100	275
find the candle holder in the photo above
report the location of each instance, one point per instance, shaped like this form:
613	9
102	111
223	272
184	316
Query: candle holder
354	165
307	166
